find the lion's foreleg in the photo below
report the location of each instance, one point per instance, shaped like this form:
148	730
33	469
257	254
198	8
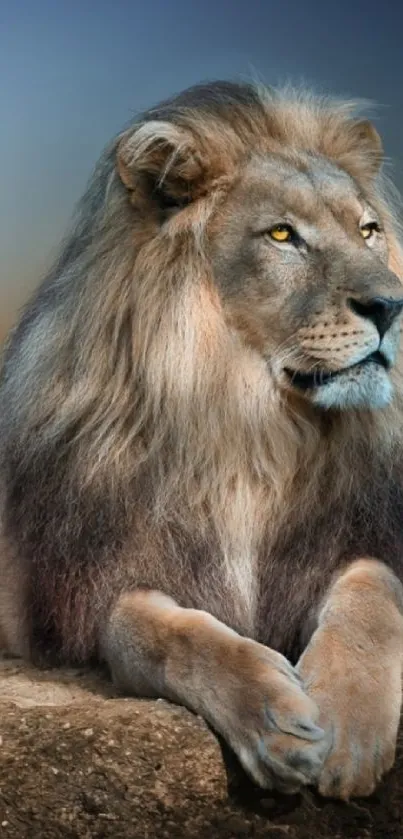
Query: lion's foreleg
248	693
352	667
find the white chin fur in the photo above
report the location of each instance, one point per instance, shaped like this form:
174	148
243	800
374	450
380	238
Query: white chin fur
368	387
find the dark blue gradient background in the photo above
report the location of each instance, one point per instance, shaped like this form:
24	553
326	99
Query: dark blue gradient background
74	71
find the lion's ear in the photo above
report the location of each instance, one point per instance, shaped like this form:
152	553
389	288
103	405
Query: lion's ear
162	158
367	143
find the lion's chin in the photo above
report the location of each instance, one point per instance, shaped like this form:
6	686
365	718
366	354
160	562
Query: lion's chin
364	388
365	385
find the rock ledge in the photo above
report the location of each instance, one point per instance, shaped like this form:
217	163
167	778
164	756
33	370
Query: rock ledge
77	761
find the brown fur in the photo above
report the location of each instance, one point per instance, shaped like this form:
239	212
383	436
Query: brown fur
149	437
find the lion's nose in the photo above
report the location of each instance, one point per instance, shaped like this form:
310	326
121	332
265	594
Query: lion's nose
382	311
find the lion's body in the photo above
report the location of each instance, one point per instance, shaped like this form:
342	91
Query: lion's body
88	510
143	442
279	573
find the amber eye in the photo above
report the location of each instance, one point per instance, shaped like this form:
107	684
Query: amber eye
282	233
368	230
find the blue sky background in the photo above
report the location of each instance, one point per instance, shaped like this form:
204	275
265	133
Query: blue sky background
74	71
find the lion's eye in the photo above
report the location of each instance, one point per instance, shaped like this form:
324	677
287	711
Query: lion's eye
282	233
368	230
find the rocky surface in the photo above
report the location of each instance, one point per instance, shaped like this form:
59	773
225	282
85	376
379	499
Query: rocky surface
77	761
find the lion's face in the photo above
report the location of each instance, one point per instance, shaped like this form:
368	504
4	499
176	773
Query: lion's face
301	262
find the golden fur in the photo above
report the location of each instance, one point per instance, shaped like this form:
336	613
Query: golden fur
152	435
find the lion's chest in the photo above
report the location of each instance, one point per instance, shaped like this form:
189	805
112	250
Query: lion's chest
294	564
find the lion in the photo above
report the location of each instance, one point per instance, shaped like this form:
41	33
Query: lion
201	434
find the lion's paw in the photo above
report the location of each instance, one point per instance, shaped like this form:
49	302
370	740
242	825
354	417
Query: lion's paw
359	698
272	724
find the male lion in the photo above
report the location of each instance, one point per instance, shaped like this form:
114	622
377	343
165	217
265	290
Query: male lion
201	434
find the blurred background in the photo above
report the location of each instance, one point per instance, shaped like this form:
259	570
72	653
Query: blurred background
73	72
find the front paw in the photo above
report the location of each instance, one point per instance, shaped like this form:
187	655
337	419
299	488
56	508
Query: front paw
359	696
270	722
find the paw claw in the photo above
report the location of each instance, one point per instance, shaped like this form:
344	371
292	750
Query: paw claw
310	731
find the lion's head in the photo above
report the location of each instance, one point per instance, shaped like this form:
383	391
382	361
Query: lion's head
281	196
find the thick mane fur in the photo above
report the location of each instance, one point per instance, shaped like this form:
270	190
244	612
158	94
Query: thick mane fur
126	396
